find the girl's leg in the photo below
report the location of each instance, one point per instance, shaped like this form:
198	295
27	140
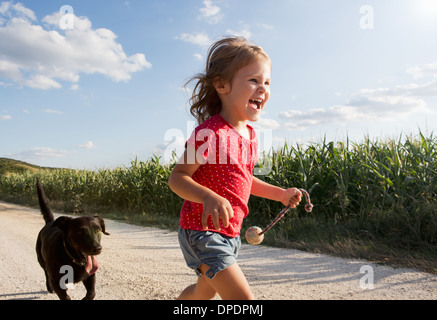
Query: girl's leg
198	291
230	284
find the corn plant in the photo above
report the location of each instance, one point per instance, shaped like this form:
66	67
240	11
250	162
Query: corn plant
384	189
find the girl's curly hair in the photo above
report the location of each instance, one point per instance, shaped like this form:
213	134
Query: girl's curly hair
225	58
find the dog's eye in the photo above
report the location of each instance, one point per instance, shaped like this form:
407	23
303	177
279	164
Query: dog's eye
98	230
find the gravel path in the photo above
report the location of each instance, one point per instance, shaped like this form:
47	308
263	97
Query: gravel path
141	263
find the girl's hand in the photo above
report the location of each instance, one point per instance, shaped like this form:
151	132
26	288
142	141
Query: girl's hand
219	208
292	197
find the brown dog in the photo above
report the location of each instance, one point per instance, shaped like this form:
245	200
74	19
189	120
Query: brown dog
68	245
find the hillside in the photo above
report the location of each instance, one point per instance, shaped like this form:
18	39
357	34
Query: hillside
16	166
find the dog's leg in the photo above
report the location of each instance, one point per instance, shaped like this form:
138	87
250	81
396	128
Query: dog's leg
90	284
48	284
62	294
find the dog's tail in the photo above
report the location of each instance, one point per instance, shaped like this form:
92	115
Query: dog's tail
45	209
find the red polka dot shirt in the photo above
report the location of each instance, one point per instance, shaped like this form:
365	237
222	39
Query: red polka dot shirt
227	161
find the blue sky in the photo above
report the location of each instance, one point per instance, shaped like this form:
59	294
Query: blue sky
107	89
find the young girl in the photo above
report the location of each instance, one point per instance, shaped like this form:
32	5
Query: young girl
215	174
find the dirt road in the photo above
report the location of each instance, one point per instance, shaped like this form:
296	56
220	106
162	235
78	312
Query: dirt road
140	263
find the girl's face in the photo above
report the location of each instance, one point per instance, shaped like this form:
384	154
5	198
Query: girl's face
245	98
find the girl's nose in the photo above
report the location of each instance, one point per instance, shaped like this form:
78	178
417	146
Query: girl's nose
262	89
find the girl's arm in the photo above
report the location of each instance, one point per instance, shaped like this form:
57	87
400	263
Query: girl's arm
182	183
263	189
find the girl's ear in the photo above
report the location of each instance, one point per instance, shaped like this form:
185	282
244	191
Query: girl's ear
221	86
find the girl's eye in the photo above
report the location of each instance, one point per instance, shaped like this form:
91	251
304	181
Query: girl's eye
267	83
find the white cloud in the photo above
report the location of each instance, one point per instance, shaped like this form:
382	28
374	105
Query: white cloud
10	70
39	153
266	26
52	111
210	12
244	32
8	9
429	69
200	38
41	56
43	153
382	105
40	81
87	145
428	89
24	11
267	124
365	107
5	117
198	56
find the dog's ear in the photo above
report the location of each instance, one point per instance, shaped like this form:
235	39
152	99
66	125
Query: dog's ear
102	224
62	223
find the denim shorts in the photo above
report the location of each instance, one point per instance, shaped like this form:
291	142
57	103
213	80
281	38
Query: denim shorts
213	249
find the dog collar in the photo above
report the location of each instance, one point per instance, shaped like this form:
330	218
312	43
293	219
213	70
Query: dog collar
80	263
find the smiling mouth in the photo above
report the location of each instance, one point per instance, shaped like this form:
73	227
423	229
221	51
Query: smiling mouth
256	104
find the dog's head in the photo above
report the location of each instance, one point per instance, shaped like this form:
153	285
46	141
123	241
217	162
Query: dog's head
83	233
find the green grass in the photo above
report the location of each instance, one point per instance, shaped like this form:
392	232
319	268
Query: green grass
15	166
374	200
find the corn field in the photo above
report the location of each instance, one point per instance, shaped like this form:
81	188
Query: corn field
385	190
138	189
380	190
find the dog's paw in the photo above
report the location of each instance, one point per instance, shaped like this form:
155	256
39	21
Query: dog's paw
89	297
